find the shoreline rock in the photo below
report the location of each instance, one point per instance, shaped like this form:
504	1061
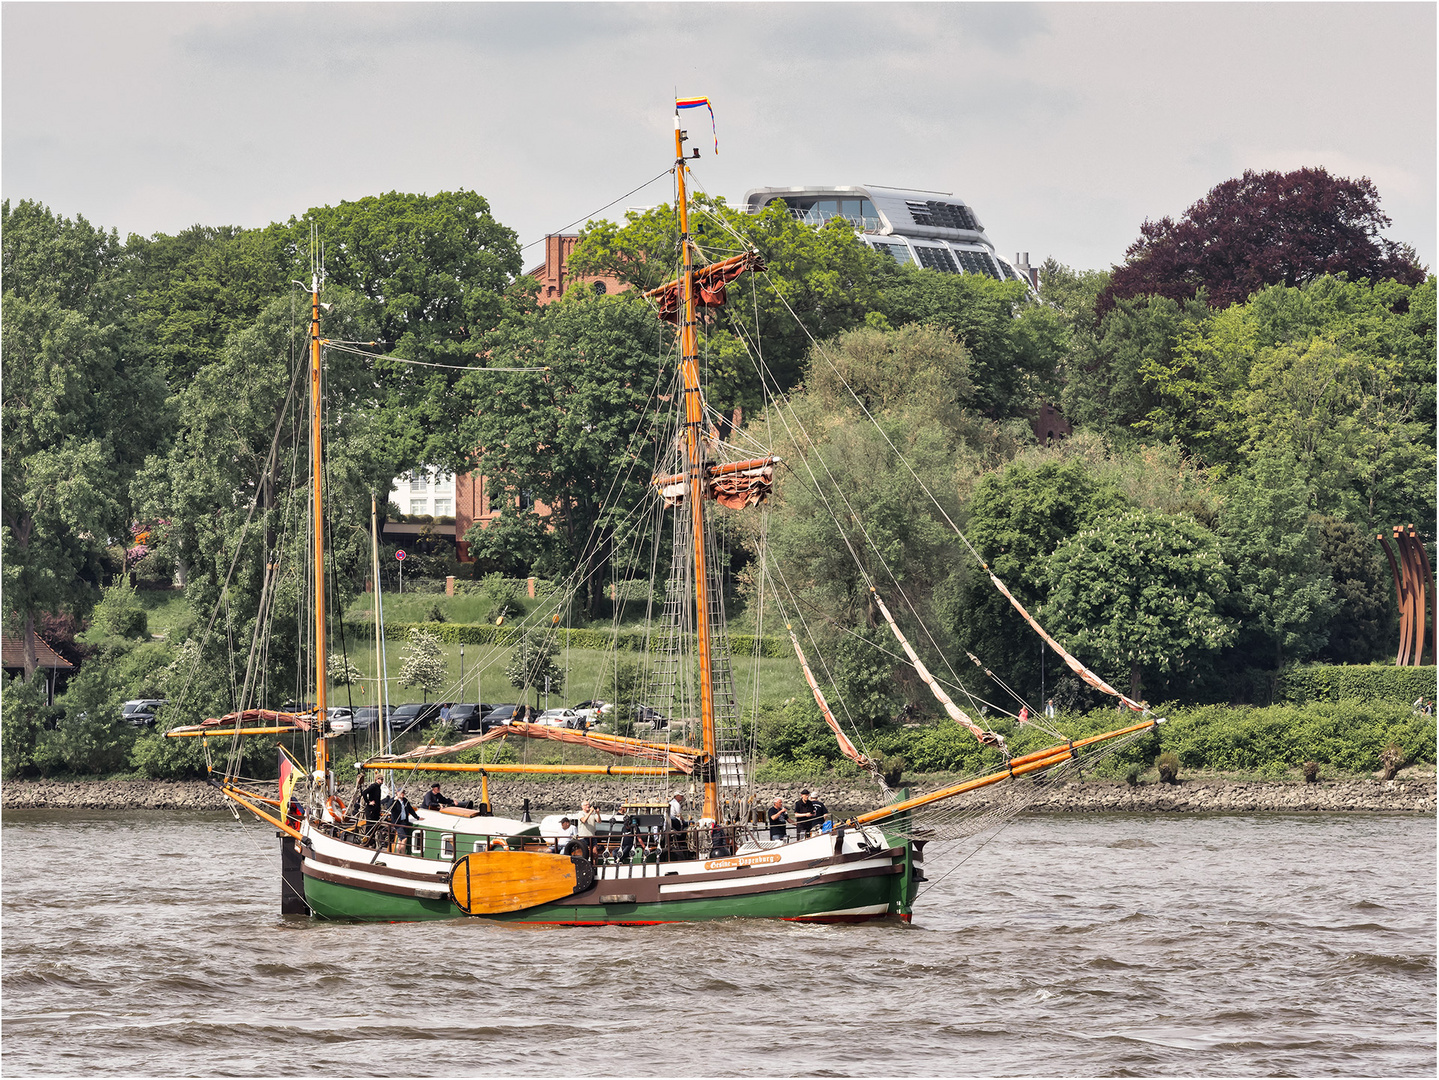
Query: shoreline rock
1415	794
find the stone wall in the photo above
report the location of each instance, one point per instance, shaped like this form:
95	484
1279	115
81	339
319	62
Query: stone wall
558	794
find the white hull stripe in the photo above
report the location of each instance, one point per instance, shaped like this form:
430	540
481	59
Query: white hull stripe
816	874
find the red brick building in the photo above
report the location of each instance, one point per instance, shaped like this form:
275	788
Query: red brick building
553	273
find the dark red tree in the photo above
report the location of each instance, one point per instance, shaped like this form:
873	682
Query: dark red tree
1264	229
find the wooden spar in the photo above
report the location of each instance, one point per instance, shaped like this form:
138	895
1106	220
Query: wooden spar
726	469
380	687
552	770
244	800
181	733
695	469
1040	759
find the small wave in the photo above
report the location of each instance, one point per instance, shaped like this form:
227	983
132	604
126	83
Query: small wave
1108	963
1131	844
1385	962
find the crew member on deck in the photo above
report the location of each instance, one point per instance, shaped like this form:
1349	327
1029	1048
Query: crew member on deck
805	818
778	818
370	798
433	800
402	816
588	827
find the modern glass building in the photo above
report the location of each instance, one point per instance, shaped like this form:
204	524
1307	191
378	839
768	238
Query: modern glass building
932	229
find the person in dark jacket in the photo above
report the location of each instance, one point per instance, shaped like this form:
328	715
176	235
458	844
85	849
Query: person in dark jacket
804	815
778	818
402	816
433	800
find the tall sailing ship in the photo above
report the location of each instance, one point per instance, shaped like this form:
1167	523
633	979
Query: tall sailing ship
644	865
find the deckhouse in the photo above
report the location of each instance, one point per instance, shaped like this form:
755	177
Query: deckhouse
933	229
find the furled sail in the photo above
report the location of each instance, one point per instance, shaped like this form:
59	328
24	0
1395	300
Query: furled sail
846	747
709	282
682	758
988	738
735	484
1074	664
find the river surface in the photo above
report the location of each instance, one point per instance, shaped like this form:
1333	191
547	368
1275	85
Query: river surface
1218	945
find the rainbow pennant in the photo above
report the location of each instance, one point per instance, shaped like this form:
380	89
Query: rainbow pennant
695	103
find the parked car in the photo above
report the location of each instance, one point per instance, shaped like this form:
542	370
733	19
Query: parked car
367	717
141	711
561	718
594	711
646	715
342	719
501	714
414	714
470	719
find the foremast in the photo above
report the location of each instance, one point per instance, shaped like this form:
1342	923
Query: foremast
696	479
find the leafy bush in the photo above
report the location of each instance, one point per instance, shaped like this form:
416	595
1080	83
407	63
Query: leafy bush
86	742
1168	765
23	717
796	732
160	758
1348	736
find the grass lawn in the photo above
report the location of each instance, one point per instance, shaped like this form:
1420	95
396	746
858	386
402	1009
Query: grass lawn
585	675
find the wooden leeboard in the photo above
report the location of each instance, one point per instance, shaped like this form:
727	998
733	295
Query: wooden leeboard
490	882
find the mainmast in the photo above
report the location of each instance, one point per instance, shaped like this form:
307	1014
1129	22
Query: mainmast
696	479
316	476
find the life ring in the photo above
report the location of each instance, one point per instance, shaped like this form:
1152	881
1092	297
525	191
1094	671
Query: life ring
496	844
336	806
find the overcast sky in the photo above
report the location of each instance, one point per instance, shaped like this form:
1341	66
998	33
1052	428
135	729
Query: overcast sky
1063	125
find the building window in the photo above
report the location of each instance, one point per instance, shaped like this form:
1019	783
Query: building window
526	500
417	482
419	506
898	252
599	288
977	262
936	258
442	508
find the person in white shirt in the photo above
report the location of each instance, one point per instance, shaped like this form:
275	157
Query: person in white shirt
588	827
568	835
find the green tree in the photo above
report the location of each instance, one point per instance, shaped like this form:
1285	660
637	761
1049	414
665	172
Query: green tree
1283	591
1139	594
1363	629
1017	516
578	435
532	665
1014	346
423	663
78	412
1104	376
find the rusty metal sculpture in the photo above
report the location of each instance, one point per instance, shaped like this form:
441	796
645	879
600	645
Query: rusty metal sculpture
1414	585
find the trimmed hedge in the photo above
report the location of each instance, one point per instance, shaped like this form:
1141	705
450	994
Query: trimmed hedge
1359	682
601	640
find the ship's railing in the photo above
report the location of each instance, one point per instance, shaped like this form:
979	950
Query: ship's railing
648	847
864	224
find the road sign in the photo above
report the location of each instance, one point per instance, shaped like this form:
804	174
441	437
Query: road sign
400	555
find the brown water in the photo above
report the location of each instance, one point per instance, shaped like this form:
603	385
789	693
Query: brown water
1265	944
